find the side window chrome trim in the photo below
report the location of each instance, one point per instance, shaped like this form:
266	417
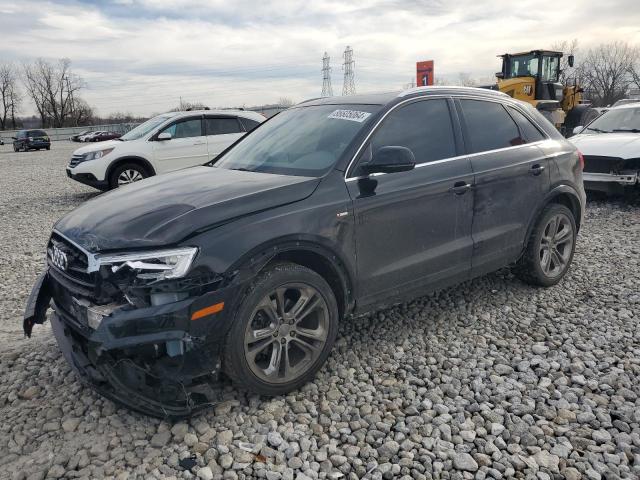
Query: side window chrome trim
461	157
452	96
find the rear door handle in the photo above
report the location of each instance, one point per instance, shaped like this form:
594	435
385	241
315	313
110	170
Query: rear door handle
460	188
200	143
537	169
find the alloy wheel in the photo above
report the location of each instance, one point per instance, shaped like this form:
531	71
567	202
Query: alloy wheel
556	245
129	176
287	333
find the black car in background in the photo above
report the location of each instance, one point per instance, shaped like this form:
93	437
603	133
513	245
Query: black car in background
103	136
334	207
31	140
76	136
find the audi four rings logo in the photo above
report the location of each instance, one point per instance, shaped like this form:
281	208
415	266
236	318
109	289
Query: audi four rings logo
59	258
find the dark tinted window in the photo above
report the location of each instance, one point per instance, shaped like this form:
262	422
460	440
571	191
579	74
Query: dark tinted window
528	130
37	133
249	124
423	127
489	126
221	126
185	128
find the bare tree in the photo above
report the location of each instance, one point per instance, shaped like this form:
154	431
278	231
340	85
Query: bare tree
81	113
9	95
604	72
53	88
465	80
286	102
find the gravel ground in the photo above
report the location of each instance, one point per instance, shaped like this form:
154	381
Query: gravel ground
491	379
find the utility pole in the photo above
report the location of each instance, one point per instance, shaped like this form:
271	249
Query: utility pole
327	90
349	84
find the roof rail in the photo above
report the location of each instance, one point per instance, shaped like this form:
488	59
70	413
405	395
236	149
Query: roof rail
410	91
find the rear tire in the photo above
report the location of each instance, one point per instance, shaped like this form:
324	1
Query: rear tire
580	115
550	247
283	330
127	173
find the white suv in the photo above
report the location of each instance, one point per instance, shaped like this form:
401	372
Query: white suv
164	143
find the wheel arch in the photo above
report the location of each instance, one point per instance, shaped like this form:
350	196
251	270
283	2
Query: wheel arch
562	195
130	159
321	259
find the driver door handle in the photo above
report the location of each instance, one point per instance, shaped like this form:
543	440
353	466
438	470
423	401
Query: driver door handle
460	188
537	169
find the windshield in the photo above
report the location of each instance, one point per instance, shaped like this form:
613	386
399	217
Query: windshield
305	141
144	128
617	120
523	66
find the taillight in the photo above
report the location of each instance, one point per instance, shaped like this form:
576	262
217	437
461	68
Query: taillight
581	157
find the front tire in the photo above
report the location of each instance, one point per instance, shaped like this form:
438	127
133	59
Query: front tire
127	173
283	331
550	247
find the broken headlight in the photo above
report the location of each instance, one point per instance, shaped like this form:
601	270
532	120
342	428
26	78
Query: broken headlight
153	265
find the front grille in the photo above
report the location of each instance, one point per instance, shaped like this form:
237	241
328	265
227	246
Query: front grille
599	164
74	276
75	160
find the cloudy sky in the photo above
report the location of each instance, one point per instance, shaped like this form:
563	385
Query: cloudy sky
141	56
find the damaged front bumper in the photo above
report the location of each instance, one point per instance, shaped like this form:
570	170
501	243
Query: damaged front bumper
160	360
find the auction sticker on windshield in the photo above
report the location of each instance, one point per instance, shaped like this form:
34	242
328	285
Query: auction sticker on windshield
353	115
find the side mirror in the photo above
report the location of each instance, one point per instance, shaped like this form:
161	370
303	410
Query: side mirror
571	59
499	75
578	129
164	136
390	159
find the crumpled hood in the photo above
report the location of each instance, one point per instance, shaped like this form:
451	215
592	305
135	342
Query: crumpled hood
163	210
621	145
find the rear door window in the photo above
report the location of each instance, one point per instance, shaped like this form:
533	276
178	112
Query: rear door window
222	125
489	126
248	123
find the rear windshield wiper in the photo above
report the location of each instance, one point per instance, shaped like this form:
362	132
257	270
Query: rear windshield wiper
632	130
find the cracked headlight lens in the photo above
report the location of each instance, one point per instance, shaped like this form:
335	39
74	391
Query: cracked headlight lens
96	155
153	265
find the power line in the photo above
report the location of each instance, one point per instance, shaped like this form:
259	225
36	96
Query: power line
348	83
327	90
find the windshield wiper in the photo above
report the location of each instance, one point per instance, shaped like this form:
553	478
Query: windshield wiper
632	130
241	169
595	129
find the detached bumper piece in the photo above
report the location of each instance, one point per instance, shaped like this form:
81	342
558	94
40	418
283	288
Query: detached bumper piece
155	360
630	178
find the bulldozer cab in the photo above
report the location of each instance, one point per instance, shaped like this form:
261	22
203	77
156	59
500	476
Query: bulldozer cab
534	77
544	65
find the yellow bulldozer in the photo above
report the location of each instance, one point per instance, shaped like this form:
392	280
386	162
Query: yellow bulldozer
534	77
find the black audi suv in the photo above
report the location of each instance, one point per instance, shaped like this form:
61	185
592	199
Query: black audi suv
246	266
